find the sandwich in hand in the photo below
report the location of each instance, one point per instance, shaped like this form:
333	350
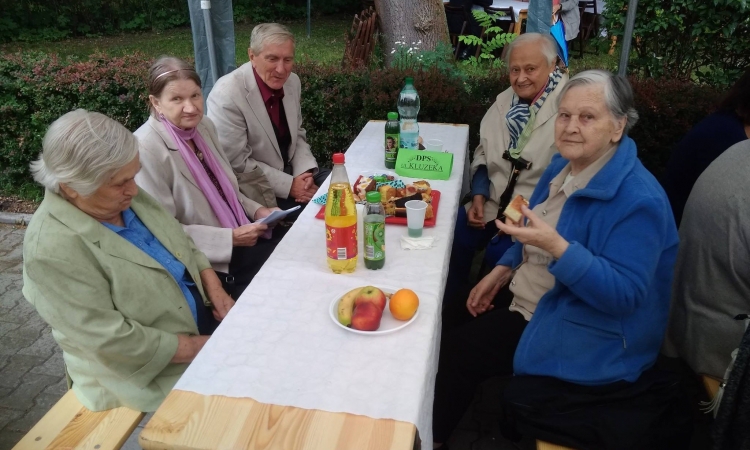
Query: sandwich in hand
513	210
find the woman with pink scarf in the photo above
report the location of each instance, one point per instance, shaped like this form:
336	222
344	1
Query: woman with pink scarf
186	170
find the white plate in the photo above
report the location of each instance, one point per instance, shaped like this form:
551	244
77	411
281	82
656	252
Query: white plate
387	323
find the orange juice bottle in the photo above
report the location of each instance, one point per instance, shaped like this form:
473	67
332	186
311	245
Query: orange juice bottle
341	220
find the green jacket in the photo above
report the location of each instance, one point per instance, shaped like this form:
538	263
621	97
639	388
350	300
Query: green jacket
114	310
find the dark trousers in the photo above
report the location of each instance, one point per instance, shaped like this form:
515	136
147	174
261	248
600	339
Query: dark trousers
286	203
470	354
247	261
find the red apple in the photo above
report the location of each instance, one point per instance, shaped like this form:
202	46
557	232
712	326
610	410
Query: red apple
366	317
371	294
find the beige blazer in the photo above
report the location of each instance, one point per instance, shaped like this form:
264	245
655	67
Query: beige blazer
115	311
236	107
494	140
167	178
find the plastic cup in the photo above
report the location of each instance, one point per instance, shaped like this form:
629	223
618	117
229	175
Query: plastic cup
415	210
434	145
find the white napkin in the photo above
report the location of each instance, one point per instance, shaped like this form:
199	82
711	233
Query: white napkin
420	243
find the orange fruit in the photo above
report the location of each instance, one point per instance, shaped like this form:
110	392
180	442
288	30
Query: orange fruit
403	304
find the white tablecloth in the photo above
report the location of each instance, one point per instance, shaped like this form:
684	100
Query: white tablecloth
278	345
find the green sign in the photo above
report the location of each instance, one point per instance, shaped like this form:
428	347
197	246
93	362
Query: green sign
424	164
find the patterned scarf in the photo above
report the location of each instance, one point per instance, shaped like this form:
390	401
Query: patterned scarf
230	213
520	114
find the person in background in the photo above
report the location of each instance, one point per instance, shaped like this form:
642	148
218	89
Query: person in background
257	113
130	299
185	169
729	125
518	127
712	274
590	272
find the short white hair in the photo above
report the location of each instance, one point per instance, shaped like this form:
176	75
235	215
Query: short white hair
546	43
269	33
82	149
618	94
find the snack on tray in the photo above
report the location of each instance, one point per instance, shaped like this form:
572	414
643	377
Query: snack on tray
513	210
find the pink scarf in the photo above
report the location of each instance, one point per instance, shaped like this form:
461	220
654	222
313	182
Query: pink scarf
227	217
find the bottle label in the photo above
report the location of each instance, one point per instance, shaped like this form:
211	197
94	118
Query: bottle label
374	241
341	242
391	147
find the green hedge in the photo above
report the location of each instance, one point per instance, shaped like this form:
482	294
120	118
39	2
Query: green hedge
35	89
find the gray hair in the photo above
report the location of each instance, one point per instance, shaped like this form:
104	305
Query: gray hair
165	70
545	41
269	33
618	95
83	149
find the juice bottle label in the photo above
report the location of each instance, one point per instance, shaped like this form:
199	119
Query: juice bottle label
374	240
341	242
391	147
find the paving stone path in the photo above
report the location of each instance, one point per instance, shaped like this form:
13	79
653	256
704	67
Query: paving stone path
32	377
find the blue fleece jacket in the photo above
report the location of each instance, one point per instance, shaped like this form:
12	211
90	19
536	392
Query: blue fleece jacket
605	318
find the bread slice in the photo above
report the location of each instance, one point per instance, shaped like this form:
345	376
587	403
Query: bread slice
513	211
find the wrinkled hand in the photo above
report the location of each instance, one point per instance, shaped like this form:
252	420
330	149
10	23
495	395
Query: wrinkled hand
481	297
222	303
536	232
303	187
265	212
215	292
247	235
476	212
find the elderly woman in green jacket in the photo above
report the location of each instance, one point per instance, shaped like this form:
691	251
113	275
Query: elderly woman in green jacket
130	299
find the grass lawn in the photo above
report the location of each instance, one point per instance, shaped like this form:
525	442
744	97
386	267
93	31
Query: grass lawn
326	43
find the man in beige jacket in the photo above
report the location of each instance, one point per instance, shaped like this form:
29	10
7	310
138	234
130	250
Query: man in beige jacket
257	113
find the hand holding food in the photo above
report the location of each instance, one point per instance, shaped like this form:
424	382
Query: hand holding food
513	210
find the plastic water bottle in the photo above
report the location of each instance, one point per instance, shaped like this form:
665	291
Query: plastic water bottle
408	108
341	220
374	232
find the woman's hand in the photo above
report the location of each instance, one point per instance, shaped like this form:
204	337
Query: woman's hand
215	292
247	235
536	232
476	212
481	297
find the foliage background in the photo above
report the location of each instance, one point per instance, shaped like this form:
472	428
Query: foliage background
36	88
706	41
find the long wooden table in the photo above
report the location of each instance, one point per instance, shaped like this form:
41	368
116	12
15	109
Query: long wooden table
206	420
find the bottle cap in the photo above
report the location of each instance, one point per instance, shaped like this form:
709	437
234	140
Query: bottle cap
409	80
373	197
392	116
338	158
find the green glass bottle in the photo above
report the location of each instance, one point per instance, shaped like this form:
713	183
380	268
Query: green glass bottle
374	232
392	130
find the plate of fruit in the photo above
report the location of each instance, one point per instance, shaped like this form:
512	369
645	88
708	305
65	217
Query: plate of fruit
371	310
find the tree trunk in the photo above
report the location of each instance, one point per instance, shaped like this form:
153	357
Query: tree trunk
411	21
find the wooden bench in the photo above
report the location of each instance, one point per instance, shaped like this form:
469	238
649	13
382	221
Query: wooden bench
70	425
711	384
541	445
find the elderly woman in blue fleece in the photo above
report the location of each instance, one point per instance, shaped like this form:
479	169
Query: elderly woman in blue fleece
590	272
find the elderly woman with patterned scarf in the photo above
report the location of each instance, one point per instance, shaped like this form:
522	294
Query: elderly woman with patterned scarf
516	145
